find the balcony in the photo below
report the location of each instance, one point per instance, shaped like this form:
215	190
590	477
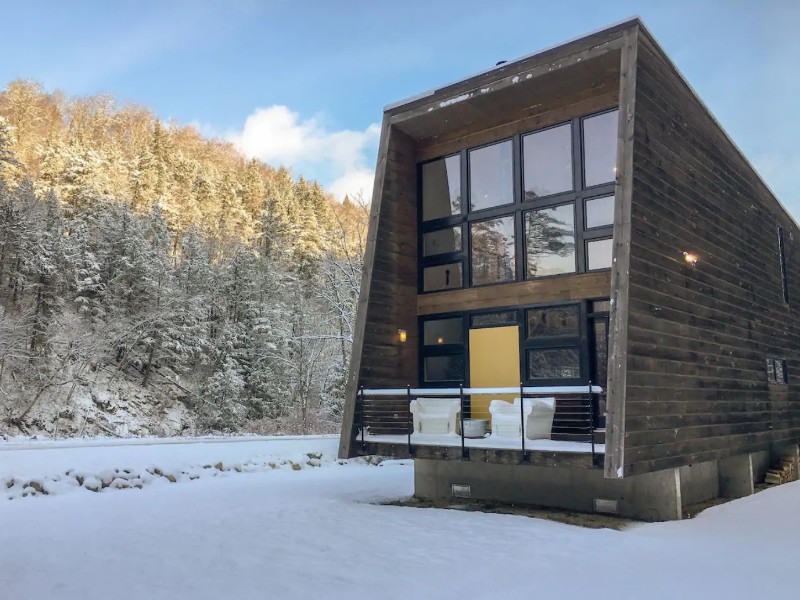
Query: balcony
562	425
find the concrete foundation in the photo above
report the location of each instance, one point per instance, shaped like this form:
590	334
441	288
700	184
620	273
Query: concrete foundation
653	496
658	496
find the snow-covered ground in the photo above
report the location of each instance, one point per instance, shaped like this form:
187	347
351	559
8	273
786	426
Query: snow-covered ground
318	533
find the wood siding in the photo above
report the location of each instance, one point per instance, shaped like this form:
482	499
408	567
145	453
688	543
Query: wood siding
698	336
554	289
388	300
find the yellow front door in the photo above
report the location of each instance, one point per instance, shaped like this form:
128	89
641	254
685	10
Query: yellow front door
493	362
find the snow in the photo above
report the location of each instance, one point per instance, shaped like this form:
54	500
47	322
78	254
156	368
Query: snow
455	100
510	443
318	533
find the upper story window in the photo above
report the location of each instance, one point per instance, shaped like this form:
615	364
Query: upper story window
600	148
535	205
491	180
547	162
441	188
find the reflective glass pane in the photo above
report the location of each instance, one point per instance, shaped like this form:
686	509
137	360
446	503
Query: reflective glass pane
444	368
498	318
599	254
599	212
441	188
491	176
550	241
555	321
600	148
600	351
492	245
442	277
554	363
443	331
547	162
442	241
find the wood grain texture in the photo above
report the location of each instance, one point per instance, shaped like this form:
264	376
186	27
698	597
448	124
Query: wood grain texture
618	319
387	300
554	289
698	336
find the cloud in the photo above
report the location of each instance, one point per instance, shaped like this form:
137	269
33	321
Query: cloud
338	159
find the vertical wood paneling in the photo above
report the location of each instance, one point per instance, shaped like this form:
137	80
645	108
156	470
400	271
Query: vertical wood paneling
698	336
388	299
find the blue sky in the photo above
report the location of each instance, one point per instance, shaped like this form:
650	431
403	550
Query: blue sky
304	83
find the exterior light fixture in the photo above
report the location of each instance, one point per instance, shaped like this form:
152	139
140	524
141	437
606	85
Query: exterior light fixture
690	258
440	340
402	335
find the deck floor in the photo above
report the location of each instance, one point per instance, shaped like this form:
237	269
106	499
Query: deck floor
500	443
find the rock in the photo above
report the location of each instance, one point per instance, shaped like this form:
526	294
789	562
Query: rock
37	486
296	467
219	466
170	477
10	483
93	484
316	455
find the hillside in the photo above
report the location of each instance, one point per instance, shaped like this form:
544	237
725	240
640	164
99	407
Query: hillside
156	282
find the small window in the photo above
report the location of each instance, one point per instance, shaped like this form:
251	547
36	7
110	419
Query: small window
782	251
780	370
776	371
444	368
547	162
442	241
554	363
599	254
599	212
441	188
600	148
508	317
491	179
492	249
443	331
600	306
550	241
442	277
553	322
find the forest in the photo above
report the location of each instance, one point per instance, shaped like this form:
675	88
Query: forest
155	282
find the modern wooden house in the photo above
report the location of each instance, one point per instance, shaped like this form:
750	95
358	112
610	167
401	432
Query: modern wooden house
575	229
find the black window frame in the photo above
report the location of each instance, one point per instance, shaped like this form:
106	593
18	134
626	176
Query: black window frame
583	340
577	197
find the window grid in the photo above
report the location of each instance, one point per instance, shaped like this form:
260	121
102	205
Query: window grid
577	197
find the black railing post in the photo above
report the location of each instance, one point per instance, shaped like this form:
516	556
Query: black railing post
591	419
410	417
461	412
361	396
522	419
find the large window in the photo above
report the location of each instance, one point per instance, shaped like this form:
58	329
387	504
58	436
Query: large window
550	241
553	343
491	180
492	250
441	188
547	162
560	344
535	205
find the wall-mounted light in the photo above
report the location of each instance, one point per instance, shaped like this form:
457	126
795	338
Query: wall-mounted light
440	340
402	335
690	258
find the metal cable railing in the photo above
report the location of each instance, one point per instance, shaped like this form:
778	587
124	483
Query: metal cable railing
476	417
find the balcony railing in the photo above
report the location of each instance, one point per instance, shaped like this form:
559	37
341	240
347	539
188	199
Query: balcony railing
514	418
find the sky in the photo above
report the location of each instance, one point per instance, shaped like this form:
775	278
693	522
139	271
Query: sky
303	83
